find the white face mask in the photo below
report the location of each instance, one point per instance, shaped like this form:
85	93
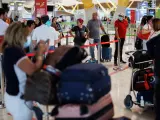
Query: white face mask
120	18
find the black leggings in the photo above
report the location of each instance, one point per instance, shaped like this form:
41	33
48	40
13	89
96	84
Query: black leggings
121	49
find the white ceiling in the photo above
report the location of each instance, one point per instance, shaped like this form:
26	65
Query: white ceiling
6	1
64	2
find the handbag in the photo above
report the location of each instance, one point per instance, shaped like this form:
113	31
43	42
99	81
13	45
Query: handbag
138	43
41	87
143	36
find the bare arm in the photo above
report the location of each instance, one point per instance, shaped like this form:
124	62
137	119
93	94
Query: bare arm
102	28
116	32
70	32
28	66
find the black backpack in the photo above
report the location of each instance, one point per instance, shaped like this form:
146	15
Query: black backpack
105	38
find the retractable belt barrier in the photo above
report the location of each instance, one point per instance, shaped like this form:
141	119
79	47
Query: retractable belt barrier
84	46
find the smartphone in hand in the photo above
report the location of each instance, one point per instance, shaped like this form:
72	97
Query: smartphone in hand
46	42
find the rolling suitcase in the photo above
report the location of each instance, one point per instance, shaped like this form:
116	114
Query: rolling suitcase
107	54
102	110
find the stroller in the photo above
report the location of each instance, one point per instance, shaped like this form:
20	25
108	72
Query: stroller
142	80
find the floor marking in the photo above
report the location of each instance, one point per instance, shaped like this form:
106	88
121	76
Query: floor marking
119	71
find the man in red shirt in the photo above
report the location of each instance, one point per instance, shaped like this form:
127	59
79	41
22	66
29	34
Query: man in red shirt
120	33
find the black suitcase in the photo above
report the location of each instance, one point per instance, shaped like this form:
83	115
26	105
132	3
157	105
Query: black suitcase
105	38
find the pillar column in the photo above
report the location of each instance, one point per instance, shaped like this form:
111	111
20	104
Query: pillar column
0	3
89	9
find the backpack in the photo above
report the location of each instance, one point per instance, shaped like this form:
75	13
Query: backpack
105	38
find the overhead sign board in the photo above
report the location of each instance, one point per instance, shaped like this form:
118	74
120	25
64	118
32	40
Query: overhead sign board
40	7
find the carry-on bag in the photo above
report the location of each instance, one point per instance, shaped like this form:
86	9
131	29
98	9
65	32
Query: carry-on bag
83	84
105	38
107	53
102	110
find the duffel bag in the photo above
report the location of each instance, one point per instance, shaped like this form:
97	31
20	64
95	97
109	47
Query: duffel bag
83	84
65	56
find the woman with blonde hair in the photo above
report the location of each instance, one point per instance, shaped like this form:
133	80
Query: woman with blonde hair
16	67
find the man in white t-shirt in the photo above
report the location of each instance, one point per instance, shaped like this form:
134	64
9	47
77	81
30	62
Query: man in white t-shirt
3	24
45	33
3	28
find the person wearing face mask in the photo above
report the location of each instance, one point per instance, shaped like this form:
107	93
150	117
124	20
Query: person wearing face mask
120	33
81	33
46	33
30	26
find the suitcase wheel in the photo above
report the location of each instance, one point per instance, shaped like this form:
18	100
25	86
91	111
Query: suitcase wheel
128	102
107	60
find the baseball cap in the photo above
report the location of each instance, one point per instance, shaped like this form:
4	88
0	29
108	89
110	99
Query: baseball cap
121	14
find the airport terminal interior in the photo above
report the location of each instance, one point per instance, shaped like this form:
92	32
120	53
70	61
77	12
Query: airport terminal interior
67	13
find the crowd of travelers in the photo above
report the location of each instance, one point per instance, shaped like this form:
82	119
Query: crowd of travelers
43	34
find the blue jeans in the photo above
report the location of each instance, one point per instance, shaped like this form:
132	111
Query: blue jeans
93	48
51	48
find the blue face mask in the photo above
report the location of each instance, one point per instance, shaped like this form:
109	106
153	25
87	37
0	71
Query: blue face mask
48	23
27	43
120	18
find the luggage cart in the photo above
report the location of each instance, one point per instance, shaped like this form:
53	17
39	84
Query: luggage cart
128	101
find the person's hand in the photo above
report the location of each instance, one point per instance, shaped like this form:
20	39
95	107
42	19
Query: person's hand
118	38
41	47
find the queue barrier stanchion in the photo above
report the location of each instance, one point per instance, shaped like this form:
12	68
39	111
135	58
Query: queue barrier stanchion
99	52
2	82
67	39
135	37
119	67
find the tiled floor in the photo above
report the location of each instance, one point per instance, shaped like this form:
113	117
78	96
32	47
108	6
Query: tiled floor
120	88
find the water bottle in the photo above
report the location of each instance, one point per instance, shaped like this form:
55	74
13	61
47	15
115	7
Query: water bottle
142	102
